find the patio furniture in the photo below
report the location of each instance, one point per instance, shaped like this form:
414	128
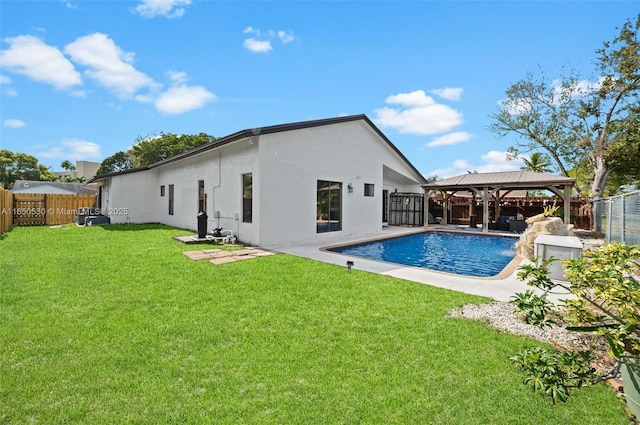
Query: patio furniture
517	226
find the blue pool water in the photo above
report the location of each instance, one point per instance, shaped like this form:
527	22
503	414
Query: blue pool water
465	254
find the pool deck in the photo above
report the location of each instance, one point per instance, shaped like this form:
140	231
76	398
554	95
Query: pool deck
499	288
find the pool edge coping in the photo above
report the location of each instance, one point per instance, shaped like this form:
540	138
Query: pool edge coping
506	271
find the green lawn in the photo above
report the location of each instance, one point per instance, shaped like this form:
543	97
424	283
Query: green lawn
115	325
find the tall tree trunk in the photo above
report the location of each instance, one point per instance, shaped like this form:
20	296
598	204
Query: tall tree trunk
601	172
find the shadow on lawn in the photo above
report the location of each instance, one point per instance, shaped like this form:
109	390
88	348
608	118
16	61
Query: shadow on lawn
137	227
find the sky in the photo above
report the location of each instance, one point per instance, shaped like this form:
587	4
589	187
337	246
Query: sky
84	79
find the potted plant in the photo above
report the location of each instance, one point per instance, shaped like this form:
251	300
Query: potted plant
603	288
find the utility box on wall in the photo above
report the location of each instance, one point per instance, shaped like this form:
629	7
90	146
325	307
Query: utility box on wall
560	247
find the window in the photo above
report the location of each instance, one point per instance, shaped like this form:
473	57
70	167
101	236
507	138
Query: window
170	199
368	189
329	206
202	197
162	190
247	198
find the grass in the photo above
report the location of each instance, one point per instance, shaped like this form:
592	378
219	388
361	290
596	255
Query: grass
115	325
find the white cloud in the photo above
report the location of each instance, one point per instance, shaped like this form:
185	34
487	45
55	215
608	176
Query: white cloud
168	8
450	139
261	42
180	99
73	150
8	91
578	88
108	64
515	107
449	93
286	37
559	94
422	114
79	94
491	162
415	98
495	161
258	46
178	77
458	167
13	123
71	5
30	56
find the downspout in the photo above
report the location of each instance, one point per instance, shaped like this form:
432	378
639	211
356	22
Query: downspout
216	214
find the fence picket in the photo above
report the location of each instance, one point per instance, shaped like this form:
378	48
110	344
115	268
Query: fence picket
6	210
37	209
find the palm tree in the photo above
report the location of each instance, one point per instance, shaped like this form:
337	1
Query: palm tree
537	162
67	165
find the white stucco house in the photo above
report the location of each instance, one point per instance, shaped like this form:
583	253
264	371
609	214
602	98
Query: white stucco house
273	185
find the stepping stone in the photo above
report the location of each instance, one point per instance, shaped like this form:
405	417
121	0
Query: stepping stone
195	255
262	253
223	260
220	254
245	257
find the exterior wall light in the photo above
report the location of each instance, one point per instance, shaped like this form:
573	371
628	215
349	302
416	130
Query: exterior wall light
350	188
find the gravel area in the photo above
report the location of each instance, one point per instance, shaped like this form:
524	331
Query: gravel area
502	316
590	240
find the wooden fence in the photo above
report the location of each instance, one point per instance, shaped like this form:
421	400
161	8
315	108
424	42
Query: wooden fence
6	210
35	209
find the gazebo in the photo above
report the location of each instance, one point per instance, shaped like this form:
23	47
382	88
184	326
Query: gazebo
487	185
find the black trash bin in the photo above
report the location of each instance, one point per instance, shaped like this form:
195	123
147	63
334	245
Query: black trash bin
473	221
202	225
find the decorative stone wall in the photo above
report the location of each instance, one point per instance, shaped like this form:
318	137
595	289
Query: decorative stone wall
540	225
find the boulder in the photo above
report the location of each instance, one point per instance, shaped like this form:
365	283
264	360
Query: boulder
537	226
535	218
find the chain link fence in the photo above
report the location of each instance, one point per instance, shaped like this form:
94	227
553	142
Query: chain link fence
618	217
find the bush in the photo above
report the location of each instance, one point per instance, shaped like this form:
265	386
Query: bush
605	300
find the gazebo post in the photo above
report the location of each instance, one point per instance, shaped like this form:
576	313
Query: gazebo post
485	210
427	195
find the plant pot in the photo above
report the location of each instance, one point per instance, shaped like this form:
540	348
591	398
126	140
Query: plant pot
630	370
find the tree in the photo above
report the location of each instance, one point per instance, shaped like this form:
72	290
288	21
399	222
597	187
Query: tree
68	166
119	161
537	162
20	166
46	174
152	149
576	121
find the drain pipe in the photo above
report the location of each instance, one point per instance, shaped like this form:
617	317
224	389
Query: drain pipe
216	214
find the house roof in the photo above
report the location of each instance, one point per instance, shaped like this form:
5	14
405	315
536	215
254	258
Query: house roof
503	180
266	130
61	188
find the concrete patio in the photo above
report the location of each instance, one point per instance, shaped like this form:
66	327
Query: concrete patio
499	288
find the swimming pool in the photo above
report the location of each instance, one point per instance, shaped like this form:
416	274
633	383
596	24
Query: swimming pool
466	254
